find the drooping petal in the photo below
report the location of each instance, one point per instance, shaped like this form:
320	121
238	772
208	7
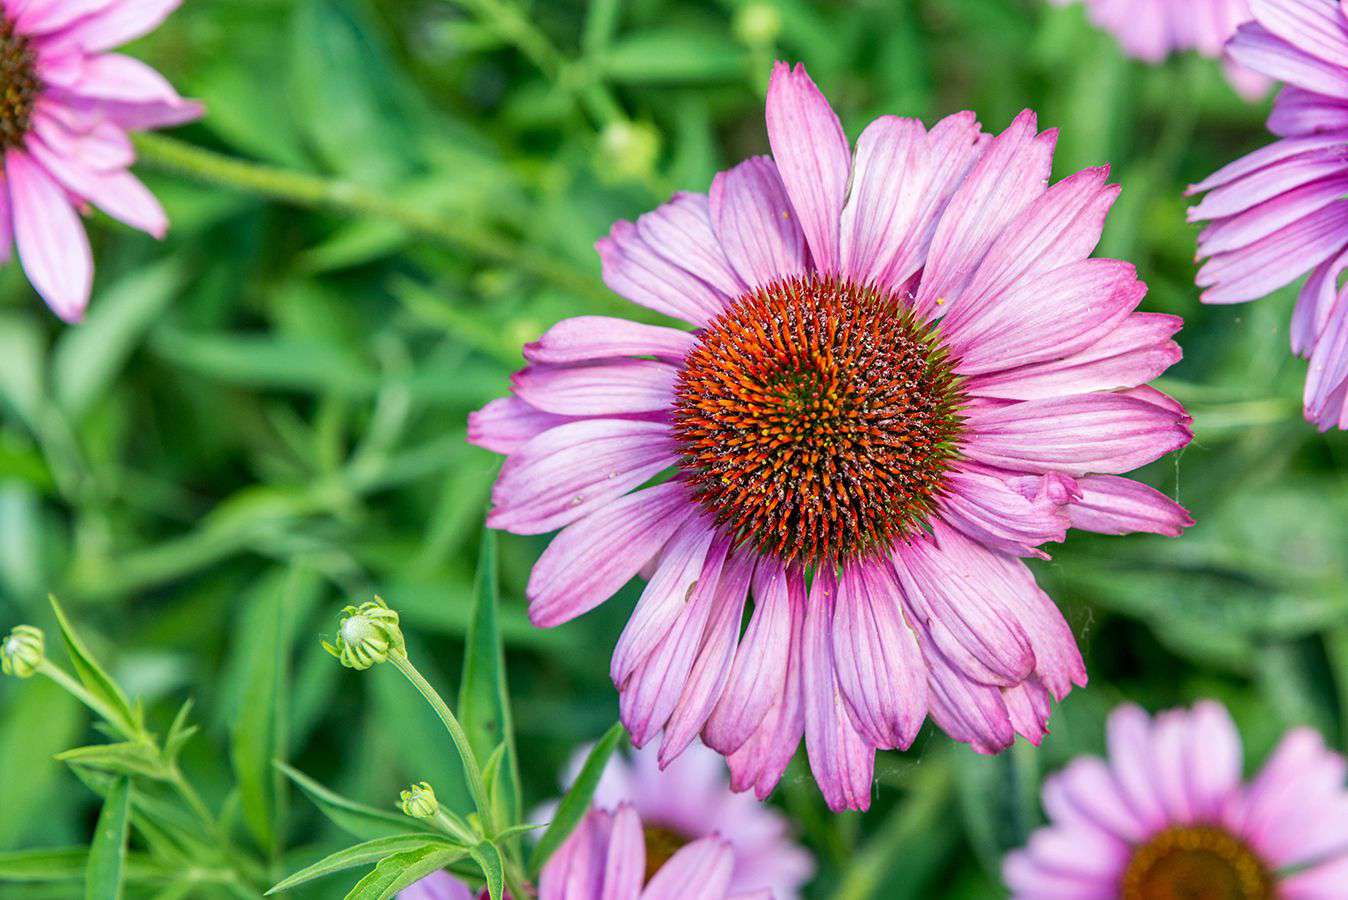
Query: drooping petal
841	760
1113	505
591	559
980	503
813	158
53	246
879	668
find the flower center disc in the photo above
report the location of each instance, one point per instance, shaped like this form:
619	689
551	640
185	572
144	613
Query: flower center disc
1196	863
661	844
19	85
817	419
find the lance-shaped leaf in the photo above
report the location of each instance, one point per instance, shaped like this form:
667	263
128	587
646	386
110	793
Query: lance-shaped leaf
107	853
103	689
577	800
368	852
357	819
395	872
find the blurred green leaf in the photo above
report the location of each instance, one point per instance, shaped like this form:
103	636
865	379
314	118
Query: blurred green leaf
357	819
361	854
103	688
128	758
999	796
399	870
674	55
484	697
576	803
107	852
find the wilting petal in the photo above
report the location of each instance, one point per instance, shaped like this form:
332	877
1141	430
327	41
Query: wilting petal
980	503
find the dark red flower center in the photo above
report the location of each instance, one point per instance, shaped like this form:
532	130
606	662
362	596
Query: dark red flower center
661	844
19	85
817	419
1196	863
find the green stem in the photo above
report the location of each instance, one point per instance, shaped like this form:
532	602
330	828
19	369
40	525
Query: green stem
476	786
304	189
78	691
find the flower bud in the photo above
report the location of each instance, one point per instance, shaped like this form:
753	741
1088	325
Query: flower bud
628	151
22	651
419	801
757	23
368	634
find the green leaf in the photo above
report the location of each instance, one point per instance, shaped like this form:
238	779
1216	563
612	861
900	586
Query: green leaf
484	699
126	758
88	359
180	732
103	689
107	852
362	854
402	869
999	796
488	857
71	864
577	800
357	819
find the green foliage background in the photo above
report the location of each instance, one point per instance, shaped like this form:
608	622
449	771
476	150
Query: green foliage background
263	417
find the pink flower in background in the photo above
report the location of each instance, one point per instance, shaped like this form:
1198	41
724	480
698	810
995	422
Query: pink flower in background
620	856
439	886
906	374
1281	211
691	799
1151	30
65	112
1167	815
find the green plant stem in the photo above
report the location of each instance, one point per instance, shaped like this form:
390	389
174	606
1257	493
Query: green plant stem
304	189
78	691
476	786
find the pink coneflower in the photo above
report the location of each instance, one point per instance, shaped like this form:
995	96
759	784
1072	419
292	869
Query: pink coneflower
691	799
1280	211
65	111
905	375
1167	816
618	855
1151	30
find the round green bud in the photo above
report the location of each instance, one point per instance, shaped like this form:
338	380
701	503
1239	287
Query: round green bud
628	151
22	651
419	801
368	634
757	23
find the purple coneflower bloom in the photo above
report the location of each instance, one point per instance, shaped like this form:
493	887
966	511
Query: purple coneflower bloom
1281	211
1167	815
1151	30
65	111
905	375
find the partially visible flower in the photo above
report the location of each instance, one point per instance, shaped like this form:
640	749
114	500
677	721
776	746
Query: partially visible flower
691	799
419	801
1151	30
440	886
65	111
367	635
907	373
22	651
1167	815
1282	211
616	854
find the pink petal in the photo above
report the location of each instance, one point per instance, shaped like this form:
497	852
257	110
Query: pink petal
508	423
681	232
758	677
625	867
633	269
1101	433
1257	48
1277	260
45	16
891	177
879	668
576	870
123	79
969	712
699	871
665	596
1044	317
1085	795
53	246
572	470
591	559
1315	303
1298	112
1132	760
813	157
1113	505
438	886
119	23
980	503
1213	759
587	338
1269	155
1011	173
755	223
118	193
842	762
613	387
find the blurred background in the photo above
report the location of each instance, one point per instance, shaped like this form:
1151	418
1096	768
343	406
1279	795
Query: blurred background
263	418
